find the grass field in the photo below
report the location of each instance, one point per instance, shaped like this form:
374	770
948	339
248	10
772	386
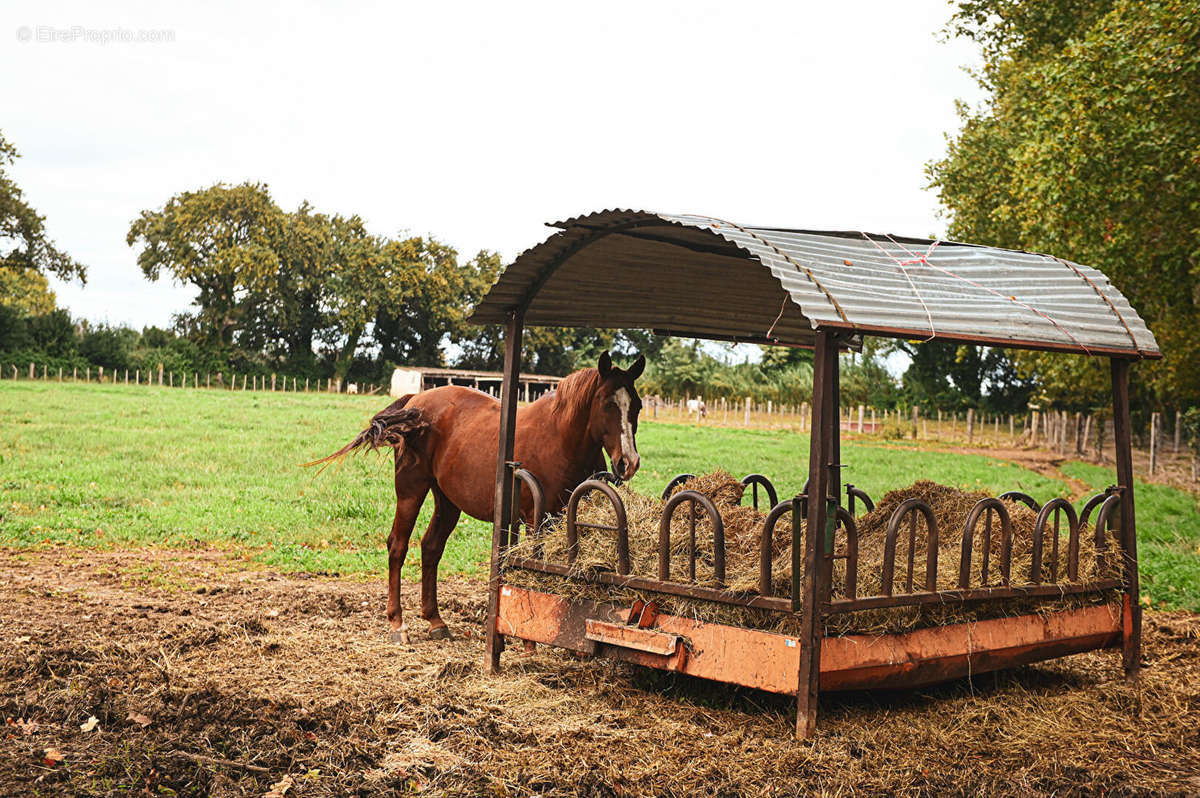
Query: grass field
114	466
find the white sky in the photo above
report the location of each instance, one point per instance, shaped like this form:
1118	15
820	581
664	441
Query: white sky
475	122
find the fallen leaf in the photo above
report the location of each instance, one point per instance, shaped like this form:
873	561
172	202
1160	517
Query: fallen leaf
52	756
138	718
279	788
27	726
272	613
89	724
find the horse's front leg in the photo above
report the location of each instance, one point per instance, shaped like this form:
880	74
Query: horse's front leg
433	543
407	507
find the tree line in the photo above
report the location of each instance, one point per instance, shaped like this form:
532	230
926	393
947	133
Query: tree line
1085	146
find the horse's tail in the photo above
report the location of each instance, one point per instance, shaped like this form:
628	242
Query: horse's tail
394	426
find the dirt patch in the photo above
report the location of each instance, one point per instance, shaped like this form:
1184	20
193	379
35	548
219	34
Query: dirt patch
209	676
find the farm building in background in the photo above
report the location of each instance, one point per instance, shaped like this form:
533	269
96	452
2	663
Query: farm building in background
415	380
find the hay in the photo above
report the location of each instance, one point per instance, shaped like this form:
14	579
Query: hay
743	530
317	694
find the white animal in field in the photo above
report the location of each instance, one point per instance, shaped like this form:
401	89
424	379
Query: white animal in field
352	388
697	406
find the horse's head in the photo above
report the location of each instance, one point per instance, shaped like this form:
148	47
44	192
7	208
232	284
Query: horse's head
614	414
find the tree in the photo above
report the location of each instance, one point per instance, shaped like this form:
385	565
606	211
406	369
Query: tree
434	308
1088	148
24	246
359	281
225	240
26	291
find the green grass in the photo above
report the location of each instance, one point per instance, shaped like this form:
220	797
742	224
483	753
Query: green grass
1168	528
119	466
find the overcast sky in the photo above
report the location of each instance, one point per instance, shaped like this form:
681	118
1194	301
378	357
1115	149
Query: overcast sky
473	122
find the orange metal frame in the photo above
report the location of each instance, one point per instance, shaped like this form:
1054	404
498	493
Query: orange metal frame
769	661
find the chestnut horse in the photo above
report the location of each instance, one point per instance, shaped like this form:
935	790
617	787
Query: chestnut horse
446	441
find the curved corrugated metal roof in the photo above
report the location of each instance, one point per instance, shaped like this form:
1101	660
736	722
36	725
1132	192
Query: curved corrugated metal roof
709	278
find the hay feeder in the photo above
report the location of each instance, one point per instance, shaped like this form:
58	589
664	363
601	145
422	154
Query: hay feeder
707	278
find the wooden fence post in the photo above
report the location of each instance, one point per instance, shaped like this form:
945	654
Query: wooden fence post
1099	439
1153	442
970	423
1178	426
31	371
746	420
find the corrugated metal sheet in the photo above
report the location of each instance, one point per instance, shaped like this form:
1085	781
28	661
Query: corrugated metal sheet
696	275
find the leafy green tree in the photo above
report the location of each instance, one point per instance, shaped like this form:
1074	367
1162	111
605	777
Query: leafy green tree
433	310
224	240
24	246
26	291
108	346
1089	148
286	314
360	280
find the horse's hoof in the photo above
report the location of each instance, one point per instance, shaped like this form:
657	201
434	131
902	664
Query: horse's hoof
399	636
440	633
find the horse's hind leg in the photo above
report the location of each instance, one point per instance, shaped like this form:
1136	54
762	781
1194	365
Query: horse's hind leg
433	543
410	495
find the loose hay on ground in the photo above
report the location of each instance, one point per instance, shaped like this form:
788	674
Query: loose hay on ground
743	529
316	693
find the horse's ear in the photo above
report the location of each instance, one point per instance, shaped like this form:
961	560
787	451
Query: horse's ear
605	365
637	368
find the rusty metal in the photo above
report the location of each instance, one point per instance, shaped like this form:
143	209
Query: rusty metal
753	481
615	634
812	536
701	592
534	523
644	614
621	526
766	544
941	653
1055	506
846	521
503	497
1093	503
678	480
693	498
1023	498
1104	520
909	508
971	596
988	506
769	661
852	493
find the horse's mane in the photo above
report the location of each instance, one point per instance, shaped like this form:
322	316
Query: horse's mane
574	394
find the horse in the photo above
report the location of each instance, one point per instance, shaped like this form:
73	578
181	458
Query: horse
446	441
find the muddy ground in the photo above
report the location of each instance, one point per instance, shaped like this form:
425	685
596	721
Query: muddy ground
207	675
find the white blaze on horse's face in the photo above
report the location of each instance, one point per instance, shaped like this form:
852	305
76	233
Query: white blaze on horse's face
629	456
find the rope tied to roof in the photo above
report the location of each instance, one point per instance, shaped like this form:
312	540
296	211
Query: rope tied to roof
797	266
1103	296
904	270
1011	298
